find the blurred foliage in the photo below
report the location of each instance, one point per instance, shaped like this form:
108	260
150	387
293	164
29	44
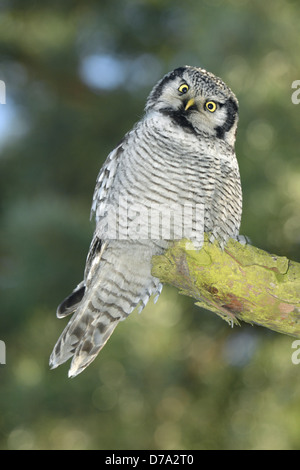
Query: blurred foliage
77	75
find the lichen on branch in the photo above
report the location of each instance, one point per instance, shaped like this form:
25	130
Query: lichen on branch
239	282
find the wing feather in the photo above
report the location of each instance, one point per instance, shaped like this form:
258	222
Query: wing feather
105	180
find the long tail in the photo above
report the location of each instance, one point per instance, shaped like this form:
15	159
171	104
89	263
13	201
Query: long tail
120	282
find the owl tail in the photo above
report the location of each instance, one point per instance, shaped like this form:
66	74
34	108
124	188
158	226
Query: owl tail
117	286
83	338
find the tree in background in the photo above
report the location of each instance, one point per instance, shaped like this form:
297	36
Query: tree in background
77	75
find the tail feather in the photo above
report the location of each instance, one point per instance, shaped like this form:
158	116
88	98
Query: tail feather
70	303
70	338
118	285
90	346
83	338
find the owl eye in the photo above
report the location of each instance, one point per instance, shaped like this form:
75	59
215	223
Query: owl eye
211	106
183	88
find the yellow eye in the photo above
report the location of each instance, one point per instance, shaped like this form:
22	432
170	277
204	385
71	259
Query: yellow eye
183	88
211	106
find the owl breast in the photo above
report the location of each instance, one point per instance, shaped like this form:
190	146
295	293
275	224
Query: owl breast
173	184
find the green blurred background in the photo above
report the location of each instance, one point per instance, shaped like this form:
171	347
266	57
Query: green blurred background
175	377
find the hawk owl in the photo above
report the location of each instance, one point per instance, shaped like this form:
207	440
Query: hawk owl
177	164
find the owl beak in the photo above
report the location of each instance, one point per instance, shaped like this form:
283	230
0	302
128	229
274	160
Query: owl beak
189	104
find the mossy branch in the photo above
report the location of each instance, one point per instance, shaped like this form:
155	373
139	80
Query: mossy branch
240	282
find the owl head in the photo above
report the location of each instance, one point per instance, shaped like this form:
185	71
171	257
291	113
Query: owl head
198	101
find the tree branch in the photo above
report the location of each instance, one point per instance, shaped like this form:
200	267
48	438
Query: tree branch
240	282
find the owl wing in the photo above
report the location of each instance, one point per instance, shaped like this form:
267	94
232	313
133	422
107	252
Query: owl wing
105	179
103	185
101	193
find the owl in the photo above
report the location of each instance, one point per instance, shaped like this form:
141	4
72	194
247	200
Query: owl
174	175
